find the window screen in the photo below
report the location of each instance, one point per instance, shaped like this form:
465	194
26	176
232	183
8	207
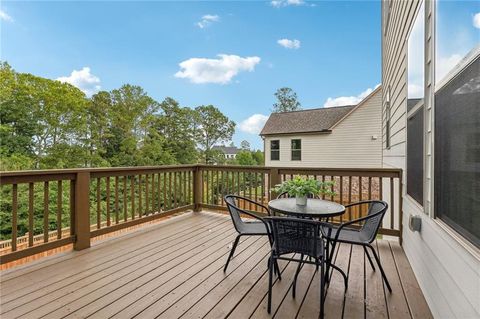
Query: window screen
415	156
296	150
457	152
275	150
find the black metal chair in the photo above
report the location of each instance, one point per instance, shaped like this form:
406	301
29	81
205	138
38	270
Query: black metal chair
297	236
258	227
363	235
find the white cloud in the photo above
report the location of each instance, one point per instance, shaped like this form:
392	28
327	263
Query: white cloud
476	20
415	91
5	17
253	124
285	3
348	100
289	44
220	70
445	64
207	20
84	80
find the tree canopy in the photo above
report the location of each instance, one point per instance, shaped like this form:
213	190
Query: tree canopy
49	124
286	101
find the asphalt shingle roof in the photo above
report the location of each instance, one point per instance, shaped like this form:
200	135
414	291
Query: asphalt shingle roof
227	149
305	121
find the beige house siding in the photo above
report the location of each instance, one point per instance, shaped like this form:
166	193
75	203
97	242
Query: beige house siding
447	270
349	145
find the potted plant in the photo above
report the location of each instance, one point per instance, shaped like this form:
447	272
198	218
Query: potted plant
300	187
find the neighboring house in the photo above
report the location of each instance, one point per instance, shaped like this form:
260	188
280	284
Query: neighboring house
344	136
431	129
230	152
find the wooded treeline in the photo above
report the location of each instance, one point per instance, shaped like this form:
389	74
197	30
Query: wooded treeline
49	124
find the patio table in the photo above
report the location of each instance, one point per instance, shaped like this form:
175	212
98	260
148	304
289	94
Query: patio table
315	208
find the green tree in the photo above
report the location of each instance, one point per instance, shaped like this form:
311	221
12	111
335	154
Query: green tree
18	125
286	101
177	126
245	158
99	109
245	145
212	127
132	113
258	157
42	119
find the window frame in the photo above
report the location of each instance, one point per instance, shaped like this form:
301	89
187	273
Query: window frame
452	227
419	107
387	120
274	150
296	149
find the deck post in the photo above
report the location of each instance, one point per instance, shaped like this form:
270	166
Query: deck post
275	179
197	188
82	210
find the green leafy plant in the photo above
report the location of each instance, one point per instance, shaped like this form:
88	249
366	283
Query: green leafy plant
301	187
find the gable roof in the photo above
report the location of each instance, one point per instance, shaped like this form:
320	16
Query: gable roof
227	149
305	121
320	120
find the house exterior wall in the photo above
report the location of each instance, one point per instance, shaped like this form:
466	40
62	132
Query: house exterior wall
447	269
349	145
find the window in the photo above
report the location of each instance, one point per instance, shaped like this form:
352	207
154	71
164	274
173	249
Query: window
296	150
457	119
415	102
275	150
415	155
387	119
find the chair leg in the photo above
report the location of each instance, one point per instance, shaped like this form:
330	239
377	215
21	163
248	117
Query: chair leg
270	279
296	276
279	275
369	258
231	252
322	288
381	268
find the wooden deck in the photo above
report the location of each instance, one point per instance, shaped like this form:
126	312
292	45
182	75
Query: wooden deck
174	269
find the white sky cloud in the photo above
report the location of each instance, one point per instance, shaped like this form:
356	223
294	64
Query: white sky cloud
348	100
220	70
84	80
476	20
289	44
253	124
5	17
285	3
445	64
207	20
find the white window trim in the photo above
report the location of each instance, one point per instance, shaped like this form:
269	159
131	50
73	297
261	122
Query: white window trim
296	149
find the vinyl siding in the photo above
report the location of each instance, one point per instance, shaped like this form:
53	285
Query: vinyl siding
349	145
447	271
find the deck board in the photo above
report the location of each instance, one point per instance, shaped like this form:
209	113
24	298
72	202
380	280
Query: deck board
175	269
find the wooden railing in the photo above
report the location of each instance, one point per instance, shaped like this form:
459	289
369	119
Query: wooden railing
43	210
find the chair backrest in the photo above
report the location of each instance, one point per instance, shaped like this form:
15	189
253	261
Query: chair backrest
295	235
376	211
234	210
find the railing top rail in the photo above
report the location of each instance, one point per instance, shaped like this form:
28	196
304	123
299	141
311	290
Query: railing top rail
93	170
374	172
6	176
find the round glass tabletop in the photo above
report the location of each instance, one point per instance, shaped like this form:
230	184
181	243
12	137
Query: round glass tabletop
315	207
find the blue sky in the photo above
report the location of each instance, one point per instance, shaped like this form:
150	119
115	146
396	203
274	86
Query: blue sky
337	52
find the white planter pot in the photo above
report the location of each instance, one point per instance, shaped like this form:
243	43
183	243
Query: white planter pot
301	201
